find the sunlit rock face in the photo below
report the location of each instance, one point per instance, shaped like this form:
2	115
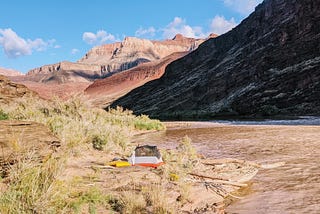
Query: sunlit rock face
104	60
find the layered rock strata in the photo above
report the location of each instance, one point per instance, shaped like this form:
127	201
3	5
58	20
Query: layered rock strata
268	65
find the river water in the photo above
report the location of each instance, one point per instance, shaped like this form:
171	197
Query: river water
292	188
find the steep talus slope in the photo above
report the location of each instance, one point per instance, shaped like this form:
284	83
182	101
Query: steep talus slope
267	65
103	92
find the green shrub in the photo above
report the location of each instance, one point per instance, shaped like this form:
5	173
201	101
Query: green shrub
76	123
92	197
3	115
98	143
143	122
181	161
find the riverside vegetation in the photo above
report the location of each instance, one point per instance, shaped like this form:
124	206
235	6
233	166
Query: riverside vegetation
76	179
36	184
35	187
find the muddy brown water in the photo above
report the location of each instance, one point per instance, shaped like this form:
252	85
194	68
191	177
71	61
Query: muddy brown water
292	188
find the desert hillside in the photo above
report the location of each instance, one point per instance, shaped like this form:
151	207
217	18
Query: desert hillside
268	65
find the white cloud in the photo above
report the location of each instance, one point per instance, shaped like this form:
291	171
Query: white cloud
179	25
15	46
149	32
57	46
244	7
220	25
37	44
74	51
99	38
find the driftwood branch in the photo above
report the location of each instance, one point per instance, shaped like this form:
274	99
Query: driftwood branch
220	180
209	177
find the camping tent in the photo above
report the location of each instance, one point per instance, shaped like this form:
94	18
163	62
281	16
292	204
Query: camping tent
146	156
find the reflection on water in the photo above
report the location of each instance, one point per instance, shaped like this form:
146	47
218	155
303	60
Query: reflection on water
292	188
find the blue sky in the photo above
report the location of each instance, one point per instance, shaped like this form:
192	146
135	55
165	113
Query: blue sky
34	33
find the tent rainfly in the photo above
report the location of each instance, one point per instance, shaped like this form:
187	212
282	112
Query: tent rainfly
146	156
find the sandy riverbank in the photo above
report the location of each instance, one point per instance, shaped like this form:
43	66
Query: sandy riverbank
187	183
201	185
200	188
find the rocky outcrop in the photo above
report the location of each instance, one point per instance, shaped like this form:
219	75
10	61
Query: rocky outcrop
10	91
106	90
9	72
268	65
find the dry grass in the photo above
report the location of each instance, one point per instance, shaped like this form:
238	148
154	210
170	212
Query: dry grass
132	203
156	196
34	187
74	122
181	161
29	185
152	198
